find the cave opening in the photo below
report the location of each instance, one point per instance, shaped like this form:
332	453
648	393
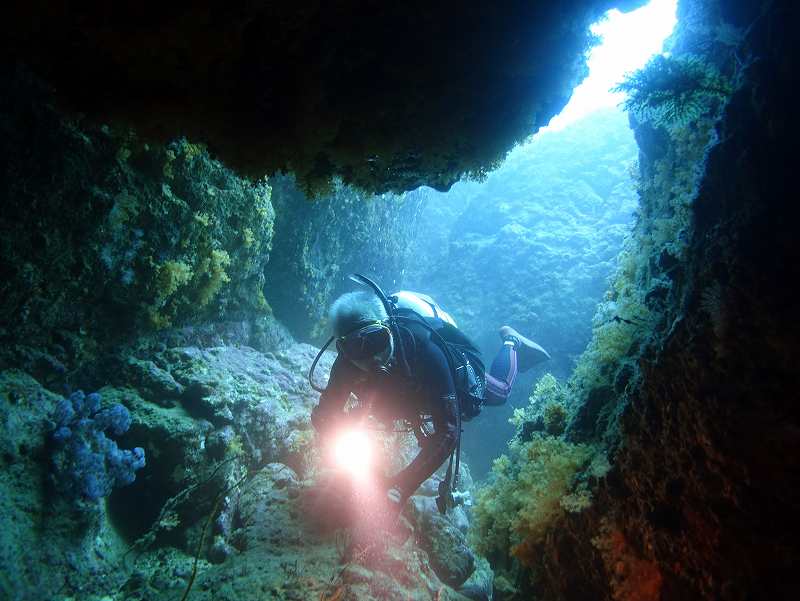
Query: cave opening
626	42
650	253
537	243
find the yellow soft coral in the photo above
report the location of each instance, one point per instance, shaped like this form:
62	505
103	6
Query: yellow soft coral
525	495
547	393
170	276
212	272
555	419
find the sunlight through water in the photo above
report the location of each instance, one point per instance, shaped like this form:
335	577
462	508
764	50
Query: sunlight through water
628	42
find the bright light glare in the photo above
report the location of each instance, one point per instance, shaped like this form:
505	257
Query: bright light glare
353	452
628	42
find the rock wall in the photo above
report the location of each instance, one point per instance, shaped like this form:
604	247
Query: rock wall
387	97
233	500
319	242
106	239
697	410
141	272
109	242
710	438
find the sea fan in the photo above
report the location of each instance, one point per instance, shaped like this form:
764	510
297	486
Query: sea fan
673	91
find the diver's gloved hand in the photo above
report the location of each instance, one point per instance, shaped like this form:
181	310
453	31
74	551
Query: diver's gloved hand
398	526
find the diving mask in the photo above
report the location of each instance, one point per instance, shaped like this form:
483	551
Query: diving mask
368	346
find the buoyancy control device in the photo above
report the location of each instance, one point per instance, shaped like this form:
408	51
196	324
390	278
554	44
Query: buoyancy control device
463	355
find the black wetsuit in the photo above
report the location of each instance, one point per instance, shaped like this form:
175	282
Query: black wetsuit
425	389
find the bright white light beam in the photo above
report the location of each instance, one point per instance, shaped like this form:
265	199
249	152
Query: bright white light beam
353	452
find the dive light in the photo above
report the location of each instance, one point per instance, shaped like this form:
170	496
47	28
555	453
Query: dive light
353	452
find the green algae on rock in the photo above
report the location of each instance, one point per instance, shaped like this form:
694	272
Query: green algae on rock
104	237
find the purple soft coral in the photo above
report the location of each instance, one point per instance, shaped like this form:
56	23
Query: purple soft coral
86	463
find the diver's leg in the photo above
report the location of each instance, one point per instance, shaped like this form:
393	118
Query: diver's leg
504	368
529	353
502	374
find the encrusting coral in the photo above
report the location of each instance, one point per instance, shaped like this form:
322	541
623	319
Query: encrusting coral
536	482
126	237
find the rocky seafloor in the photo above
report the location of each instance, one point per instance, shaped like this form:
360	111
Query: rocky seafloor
226	433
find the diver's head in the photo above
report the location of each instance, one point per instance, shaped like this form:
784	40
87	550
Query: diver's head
359	324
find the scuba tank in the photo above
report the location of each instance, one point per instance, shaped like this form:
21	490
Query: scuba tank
422	304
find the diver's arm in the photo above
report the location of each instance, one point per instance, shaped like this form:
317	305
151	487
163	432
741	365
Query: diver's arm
333	399
438	381
438	447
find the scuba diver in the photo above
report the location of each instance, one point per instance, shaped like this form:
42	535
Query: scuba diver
405	360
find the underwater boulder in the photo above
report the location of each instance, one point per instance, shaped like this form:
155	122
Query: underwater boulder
448	551
263	507
152	382
479	586
266	397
